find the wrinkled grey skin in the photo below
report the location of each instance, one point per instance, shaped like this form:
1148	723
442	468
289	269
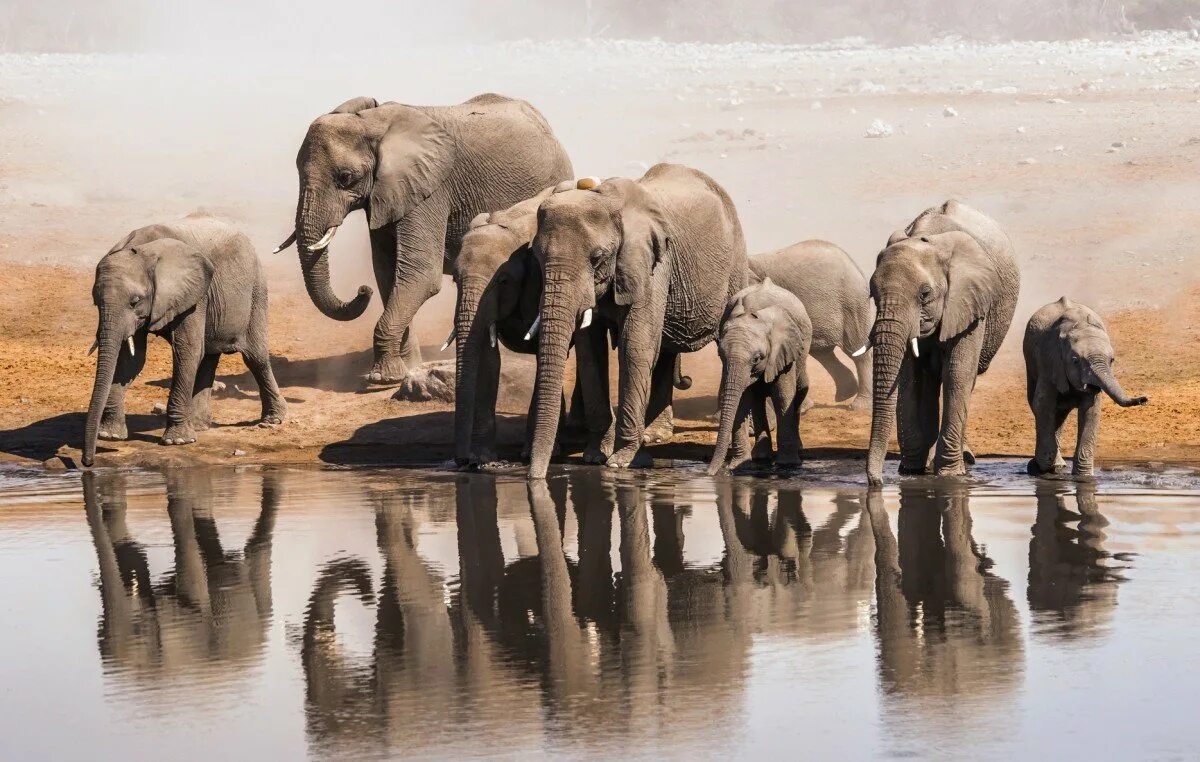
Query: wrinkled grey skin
421	173
764	344
950	281
500	284
660	257
197	283
1068	362
835	294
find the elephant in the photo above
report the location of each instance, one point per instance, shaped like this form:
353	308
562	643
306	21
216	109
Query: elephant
763	343
421	173
835	293
945	289
660	257
197	283
499	288
1068	361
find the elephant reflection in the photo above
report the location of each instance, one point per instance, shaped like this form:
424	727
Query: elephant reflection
1072	585
946	625
210	612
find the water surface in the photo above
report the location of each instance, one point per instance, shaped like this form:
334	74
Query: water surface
283	613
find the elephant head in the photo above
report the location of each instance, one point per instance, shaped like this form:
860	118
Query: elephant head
386	159
1085	356
765	329
498	279
597	241
138	289
928	290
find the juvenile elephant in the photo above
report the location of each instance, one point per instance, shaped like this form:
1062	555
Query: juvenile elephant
421	173
1068	361
763	343
835	294
197	283
945	289
660	257
499	289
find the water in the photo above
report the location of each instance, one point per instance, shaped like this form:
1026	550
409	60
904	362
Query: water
284	613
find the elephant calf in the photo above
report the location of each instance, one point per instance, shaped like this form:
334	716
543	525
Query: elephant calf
1068	361
763	342
835	293
197	283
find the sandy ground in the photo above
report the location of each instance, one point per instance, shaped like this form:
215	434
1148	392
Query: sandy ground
1085	152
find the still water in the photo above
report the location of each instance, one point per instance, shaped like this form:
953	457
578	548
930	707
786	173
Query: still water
288	613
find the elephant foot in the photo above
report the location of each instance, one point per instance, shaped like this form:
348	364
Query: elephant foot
909	469
738	460
388	371
595	455
968	456
661	430
952	469
433	381
788	460
113	430
1084	470
202	423
1033	468
273	417
860	403
179	434
622	458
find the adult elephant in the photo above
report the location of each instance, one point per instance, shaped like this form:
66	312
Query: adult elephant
660	257
945	289
420	173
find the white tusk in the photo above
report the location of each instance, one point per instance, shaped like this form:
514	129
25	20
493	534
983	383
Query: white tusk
534	329
916	352
325	239
132	352
95	345
449	339
286	243
587	318
492	334
860	351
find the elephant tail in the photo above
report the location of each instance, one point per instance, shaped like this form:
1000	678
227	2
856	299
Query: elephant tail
681	381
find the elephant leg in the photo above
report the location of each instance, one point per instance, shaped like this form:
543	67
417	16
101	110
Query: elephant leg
187	352
420	247
660	420
1089	428
788	393
761	432
257	356
862	370
916	413
739	449
843	379
960	366
1047	419
202	392
112	420
591	380
641	339
576	418
483	428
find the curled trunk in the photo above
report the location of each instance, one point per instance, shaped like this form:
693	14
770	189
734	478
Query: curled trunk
558	324
470	344
314	265
735	379
890	339
1109	383
110	345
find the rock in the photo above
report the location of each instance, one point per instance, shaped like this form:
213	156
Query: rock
433	381
1027	161
1117	144
949	112
238	453
1056	100
1021	130
55	463
816	106
218	386
879	129
1057	149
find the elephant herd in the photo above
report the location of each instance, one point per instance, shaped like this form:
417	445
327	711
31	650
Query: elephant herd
655	267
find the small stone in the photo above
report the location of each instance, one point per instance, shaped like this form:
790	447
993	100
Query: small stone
1118	144
218	386
1027	161
1021	130
24	400
1055	100
816	106
238	453
1057	149
879	129
949	112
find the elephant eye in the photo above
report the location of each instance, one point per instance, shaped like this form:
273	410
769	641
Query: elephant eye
345	178
133	301
926	292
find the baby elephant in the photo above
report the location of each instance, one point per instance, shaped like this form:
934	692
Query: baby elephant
197	283
1068	361
763	342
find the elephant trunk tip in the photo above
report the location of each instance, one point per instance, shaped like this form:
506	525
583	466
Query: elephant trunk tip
1133	401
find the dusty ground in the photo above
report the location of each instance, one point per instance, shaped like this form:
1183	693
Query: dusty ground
1085	152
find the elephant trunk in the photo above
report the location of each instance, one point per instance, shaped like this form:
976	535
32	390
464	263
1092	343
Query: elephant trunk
889	338
312	226
470	332
110	343
559	311
735	379
1102	370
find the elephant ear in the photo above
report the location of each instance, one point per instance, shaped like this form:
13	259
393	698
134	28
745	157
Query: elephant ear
787	342
181	279
355	105
531	282
1066	376
413	159
971	283
644	242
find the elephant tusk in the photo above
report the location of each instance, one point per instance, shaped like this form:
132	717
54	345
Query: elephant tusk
860	351
449	339
916	352
286	242
492	334
95	345
587	318
534	329
132	351
325	239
